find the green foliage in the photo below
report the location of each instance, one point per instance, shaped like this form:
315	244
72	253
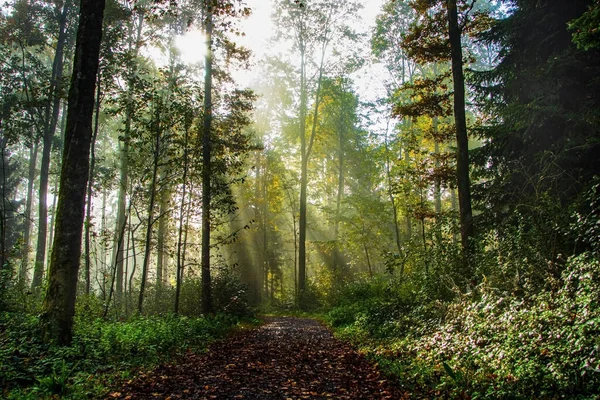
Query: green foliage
488	343
230	294
30	368
541	123
586	34
57	382
384	308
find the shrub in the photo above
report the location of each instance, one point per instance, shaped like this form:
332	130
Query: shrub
98	346
493	344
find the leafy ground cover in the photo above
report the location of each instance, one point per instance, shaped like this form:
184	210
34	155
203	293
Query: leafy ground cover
487	343
287	358
102	352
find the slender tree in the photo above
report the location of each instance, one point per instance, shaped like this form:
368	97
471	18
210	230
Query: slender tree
314	28
135	29
51	122
206	161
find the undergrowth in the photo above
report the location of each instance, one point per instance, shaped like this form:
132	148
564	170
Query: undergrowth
102	351
487	343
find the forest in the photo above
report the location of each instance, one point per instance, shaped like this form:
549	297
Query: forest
380	199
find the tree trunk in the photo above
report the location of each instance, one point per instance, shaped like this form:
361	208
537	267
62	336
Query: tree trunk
161	253
179	270
118	252
340	195
207	307
407	217
437	188
59	303
51	119
303	173
3	211
265	238
462	140
150	217
388	174
454	202
114	275
306	150
23	272
262	286
88	211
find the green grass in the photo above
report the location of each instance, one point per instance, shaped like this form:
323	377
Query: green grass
103	353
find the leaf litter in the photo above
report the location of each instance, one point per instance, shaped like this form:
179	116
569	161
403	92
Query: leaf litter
287	358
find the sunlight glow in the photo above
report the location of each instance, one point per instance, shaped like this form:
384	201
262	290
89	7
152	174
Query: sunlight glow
191	47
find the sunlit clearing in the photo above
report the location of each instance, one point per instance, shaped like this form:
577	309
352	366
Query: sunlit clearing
191	46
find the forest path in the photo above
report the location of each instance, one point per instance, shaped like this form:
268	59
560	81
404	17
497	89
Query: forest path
287	358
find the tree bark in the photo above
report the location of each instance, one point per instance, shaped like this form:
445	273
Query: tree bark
180	259
462	140
59	303
161	253
3	210
88	209
388	174
303	172
23	272
150	217
340	191
207	307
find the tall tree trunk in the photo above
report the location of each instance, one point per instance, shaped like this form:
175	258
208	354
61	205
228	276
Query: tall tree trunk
3	209
303	172
263	288
462	140
454	205
340	195
161	253
206	165
437	188
306	150
59	303
392	197
52	210
113	275
23	272
51	120
133	267
179	270
103	230
88	210
290	197
152	201
407	217
119	249
265	238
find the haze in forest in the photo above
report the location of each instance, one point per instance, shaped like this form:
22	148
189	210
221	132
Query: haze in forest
421	175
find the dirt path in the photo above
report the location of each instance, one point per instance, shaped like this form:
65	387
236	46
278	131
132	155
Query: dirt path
287	358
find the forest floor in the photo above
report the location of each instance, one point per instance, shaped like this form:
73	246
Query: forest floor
286	358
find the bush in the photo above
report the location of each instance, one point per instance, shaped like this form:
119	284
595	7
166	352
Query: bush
491	343
230	294
98	346
386	308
